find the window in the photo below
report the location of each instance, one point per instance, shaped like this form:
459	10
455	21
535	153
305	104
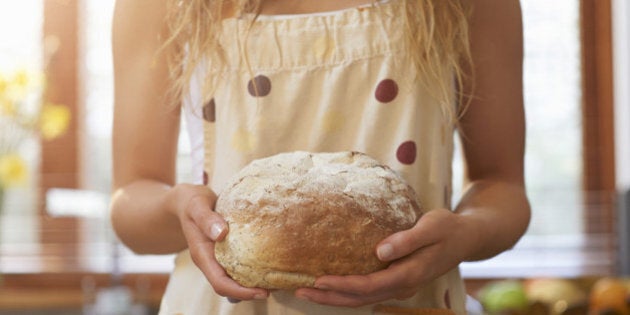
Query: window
21	50
558	164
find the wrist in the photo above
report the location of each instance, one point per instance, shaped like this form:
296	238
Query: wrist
474	236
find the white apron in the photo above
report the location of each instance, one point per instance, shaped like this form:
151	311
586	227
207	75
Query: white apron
323	82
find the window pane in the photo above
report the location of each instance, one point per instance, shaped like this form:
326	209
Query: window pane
20	50
98	101
20	30
553	105
97	92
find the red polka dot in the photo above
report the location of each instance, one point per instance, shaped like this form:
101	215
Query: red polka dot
209	111
447	298
386	91
259	86
407	152
205	178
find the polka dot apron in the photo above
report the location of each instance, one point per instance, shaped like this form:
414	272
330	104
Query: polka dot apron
322	82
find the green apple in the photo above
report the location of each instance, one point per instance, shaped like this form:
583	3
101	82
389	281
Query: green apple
503	296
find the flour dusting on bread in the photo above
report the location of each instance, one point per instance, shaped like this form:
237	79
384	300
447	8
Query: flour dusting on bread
295	216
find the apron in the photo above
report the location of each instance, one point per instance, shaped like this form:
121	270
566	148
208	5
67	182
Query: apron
324	82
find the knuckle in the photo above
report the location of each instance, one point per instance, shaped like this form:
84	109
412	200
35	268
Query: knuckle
356	303
417	273
405	284
409	284
367	289
412	279
196	204
403	241
220	291
194	255
406	294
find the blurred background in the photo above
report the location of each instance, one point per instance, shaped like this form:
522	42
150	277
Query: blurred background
58	254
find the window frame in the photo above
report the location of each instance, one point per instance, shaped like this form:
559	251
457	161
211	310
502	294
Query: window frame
598	131
60	162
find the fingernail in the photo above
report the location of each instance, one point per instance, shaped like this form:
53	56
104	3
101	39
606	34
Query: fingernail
322	287
215	231
302	297
385	251
260	296
233	300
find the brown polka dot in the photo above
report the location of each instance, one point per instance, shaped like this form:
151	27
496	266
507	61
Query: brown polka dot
447	298
205	178
386	91
259	86
407	152
209	111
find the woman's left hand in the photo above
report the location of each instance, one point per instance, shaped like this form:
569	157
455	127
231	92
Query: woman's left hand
436	244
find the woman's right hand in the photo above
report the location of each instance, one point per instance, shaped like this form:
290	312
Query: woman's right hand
202	227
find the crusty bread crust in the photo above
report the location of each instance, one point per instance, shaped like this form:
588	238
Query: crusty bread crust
296	216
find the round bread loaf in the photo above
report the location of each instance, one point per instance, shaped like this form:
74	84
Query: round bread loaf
295	216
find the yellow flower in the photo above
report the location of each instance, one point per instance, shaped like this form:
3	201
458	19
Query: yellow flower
7	107
4	84
22	78
54	120
13	170
24	81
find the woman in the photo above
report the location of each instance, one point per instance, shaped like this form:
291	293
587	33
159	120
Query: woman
259	78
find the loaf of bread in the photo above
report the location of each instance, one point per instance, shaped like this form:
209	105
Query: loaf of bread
295	216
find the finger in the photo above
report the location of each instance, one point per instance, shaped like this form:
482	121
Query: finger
225	286
335	298
353	291
202	253
400	275
424	233
200	210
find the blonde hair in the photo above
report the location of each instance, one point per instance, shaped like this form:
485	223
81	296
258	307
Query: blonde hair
436	32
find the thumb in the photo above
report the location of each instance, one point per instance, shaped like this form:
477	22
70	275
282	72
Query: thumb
393	247
403	243
200	210
429	229
211	223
